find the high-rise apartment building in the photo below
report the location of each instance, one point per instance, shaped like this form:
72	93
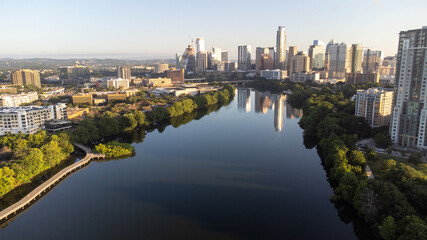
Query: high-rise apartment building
409	117
375	106
340	60
280	62
290	53
299	63
118	83
372	61
327	61
258	52
74	75
124	72
26	77
316	53
357	57
244	58
266	62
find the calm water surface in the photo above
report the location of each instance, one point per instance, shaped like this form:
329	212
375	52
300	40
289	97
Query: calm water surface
240	173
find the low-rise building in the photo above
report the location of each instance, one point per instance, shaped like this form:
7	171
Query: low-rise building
304	76
57	125
15	100
116	97
82	98
375	105
358	78
8	90
73	113
118	83
131	92
97	101
176	76
29	120
158	82
275	74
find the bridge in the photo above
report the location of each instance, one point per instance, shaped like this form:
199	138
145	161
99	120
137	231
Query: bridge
238	81
34	195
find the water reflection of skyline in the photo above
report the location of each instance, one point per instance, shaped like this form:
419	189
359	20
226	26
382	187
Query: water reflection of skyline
265	101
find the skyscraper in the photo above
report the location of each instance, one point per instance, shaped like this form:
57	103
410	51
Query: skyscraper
124	72
26	77
244	99
258	52
409	116
299	63
316	53
280	62
357	57
375	106
372	61
244	58
201	62
292	52
340	60
200	45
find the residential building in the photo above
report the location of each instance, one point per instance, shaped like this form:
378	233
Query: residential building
258	52
244	58
118	83
29	120
409	117
161	67
292	52
340	60
8	90
116	97
304	76
266	62
358	78
299	63
74	75
15	100
327	57
316	53
74	113
375	106
26	77
280	61
372	61
357	57
201	62
124	72
176	76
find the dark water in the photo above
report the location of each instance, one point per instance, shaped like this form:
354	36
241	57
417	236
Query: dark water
240	173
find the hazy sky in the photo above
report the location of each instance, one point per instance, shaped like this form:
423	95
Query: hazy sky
158	29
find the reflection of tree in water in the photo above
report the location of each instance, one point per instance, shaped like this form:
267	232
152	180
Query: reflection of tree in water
309	141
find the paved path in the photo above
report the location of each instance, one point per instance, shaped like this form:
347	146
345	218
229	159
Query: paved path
38	192
369	172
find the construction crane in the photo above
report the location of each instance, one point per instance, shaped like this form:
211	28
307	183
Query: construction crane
191	39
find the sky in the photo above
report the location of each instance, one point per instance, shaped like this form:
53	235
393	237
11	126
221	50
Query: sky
132	29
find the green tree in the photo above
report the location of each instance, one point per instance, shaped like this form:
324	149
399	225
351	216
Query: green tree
388	229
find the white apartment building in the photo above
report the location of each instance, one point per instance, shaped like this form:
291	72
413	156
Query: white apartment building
375	106
15	100
118	83
275	74
29	120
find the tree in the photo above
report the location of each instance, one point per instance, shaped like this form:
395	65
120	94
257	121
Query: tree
412	228
388	229
382	141
356	158
415	158
130	122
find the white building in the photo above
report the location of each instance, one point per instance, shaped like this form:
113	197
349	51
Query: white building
275	74
316	52
304	77
29	120
118	83
15	100
340	60
200	45
280	61
375	106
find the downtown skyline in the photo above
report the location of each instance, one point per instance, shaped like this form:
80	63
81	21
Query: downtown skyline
100	29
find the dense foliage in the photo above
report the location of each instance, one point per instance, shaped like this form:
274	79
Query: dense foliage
394	205
32	154
115	149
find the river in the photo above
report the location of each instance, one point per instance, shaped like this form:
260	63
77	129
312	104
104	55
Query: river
242	172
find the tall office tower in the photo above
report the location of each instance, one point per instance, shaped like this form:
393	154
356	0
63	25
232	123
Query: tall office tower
332	42
278	112
124	72
316	53
280	62
201	62
224	57
244	58
26	77
356	61
188	60
216	54
340	58
375	106
409	117
244	99
292	52
266	62
372	61
200	45
272	51
74	75
258	52
299	63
